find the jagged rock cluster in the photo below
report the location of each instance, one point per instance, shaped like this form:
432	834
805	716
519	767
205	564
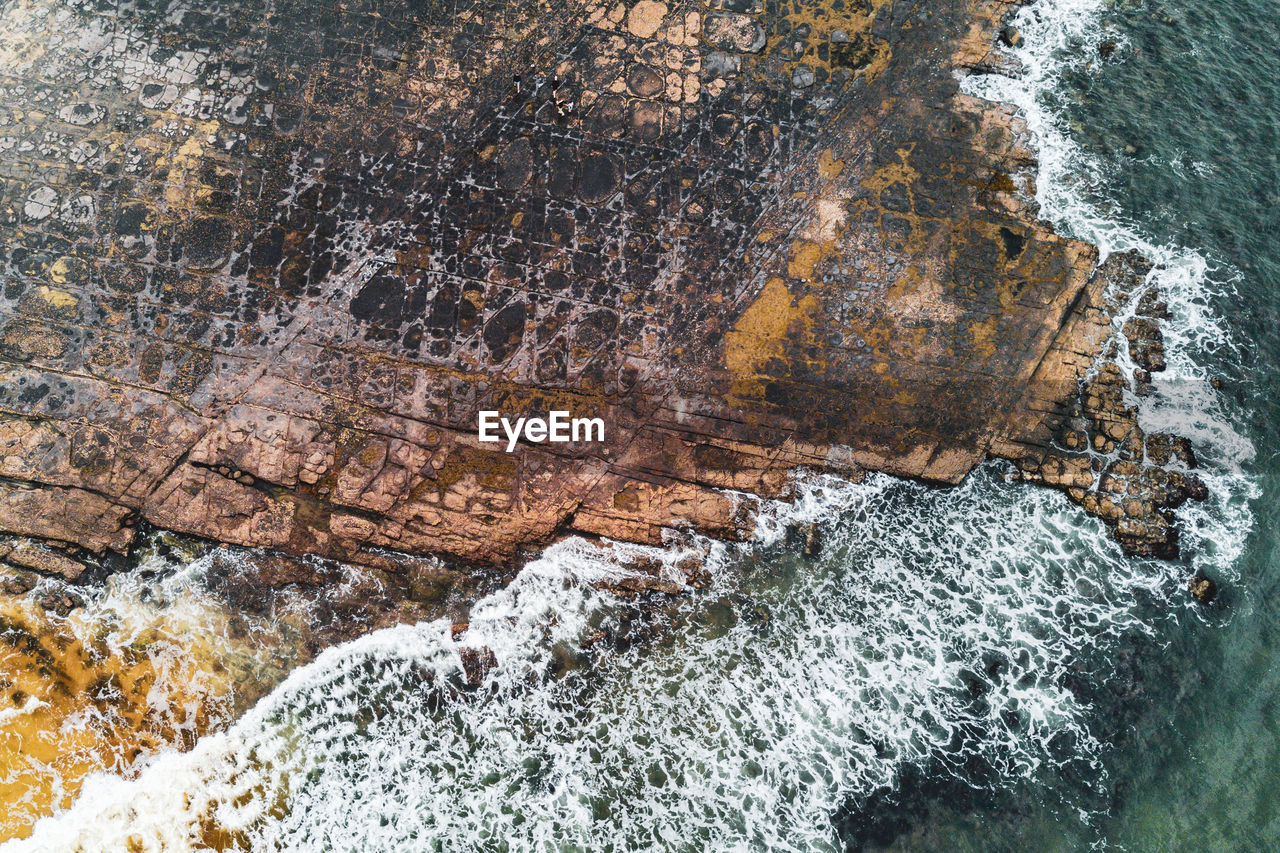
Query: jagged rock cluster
1101	457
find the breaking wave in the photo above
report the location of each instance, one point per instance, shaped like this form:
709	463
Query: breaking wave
937	629
1062	35
944	631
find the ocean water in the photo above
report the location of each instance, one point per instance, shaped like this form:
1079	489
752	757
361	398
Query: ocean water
973	669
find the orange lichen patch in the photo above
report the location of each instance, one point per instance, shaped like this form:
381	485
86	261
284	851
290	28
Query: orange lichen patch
847	29
829	166
805	255
180	147
96	690
59	301
892	173
766	331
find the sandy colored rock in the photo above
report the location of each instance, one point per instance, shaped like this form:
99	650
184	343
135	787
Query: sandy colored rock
645	17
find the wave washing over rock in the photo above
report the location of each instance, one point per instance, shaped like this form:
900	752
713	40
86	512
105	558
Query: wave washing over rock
1058	34
937	630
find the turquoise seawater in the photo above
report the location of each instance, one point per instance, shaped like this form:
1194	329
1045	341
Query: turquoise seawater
973	669
1187	122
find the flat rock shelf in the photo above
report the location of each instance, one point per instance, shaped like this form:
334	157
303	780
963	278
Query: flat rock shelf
265	263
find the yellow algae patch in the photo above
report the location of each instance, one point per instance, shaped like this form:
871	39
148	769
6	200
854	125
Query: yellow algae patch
183	188
65	268
829	166
848	31
892	173
763	332
58	300
805	255
111	682
984	338
69	708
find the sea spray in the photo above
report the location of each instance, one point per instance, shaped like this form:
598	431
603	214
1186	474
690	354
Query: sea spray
111	673
937	629
1063	35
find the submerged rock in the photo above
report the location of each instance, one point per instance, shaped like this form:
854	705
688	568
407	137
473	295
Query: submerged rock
812	540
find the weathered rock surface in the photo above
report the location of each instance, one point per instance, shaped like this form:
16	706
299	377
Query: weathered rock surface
264	265
1099	455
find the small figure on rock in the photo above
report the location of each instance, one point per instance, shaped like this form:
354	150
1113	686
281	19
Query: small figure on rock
562	97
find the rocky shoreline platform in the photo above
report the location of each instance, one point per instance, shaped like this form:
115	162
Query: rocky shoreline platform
265	267
262	273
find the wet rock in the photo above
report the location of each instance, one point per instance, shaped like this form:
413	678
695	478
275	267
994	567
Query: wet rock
694	572
429	583
1163	448
812	540
283	333
1152	305
1202	588
1132	481
1011	37
477	663
630	585
60	603
1107	49
1146	343
15	581
30	554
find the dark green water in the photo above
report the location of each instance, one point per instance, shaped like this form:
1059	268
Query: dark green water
1196	92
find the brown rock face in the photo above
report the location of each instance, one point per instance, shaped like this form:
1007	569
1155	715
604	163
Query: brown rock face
263	271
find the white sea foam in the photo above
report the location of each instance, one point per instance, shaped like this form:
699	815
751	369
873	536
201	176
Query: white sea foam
1066	33
938	628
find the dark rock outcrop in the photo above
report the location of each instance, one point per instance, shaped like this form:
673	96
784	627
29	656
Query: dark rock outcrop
1202	588
1099	455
